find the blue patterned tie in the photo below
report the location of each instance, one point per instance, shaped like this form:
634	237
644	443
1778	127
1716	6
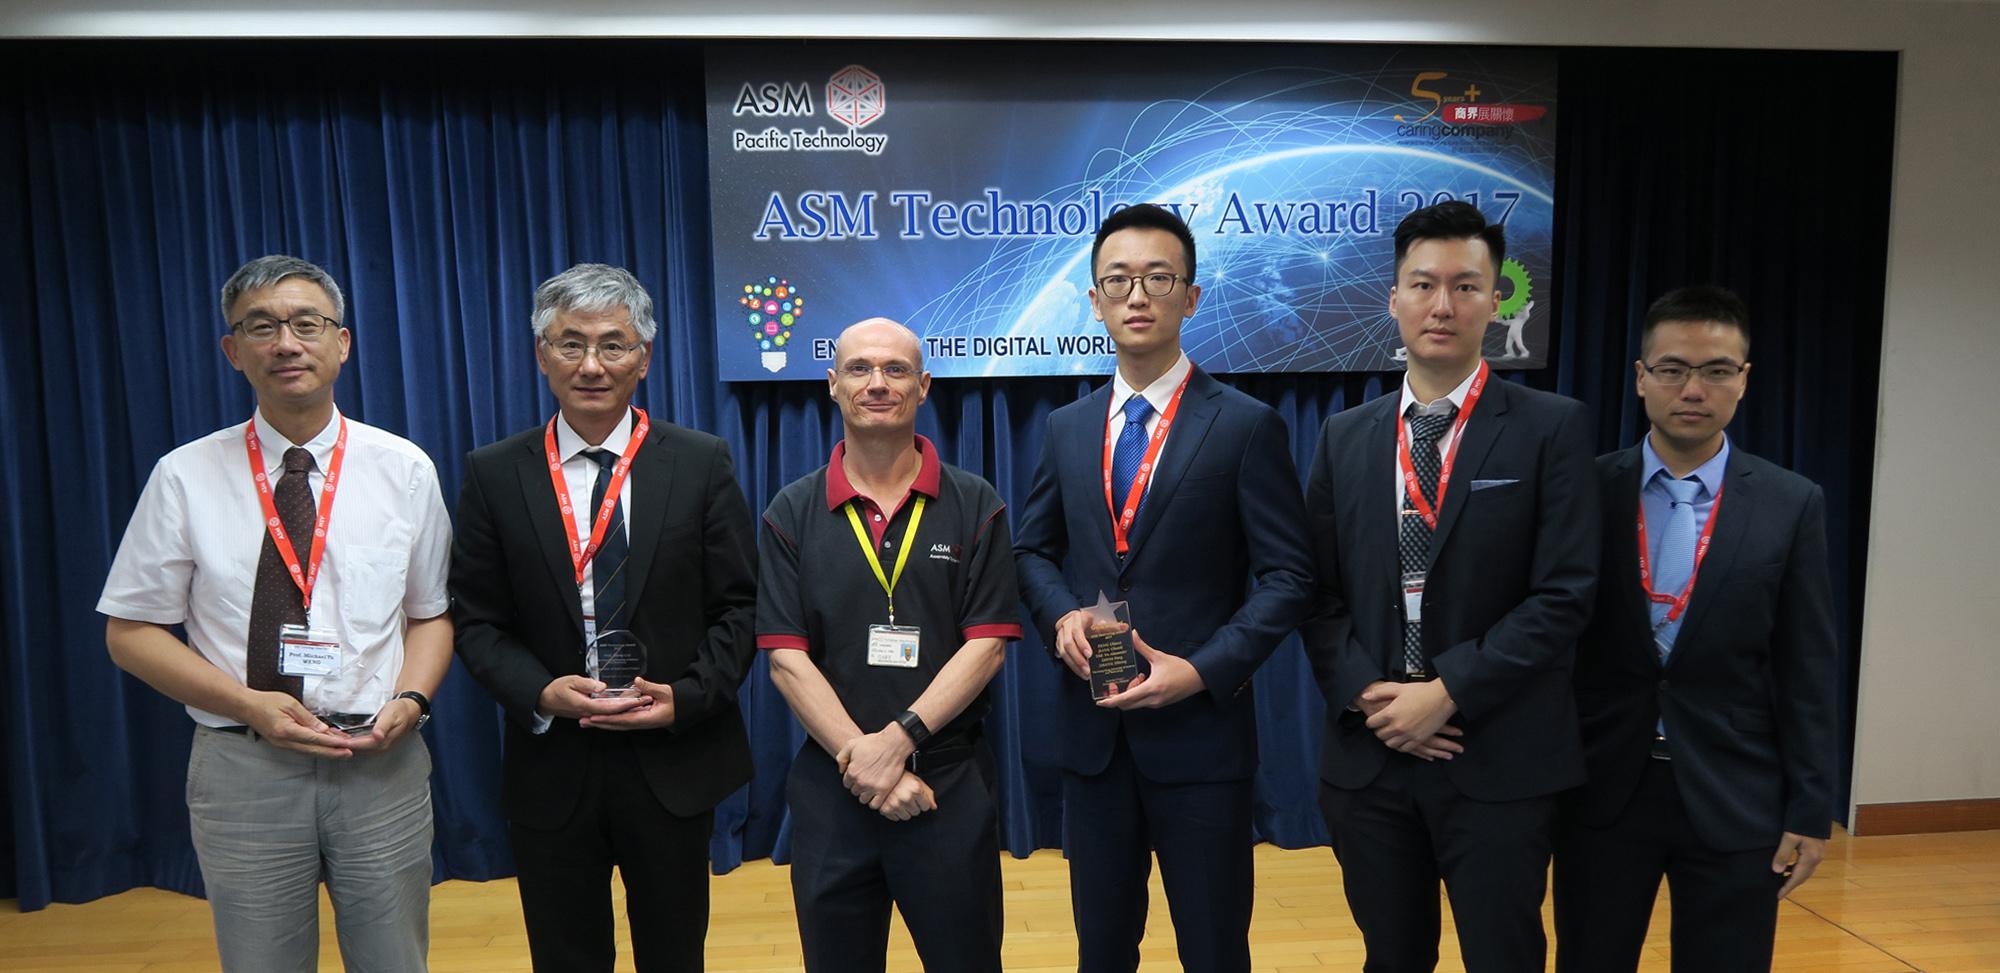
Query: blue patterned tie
1675	563
1131	448
607	568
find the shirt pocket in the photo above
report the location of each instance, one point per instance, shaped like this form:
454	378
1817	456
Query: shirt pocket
372	586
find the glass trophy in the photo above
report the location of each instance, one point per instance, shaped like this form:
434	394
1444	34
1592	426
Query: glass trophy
1114	662
615	658
348	700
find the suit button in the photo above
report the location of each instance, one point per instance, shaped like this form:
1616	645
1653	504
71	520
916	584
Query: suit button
1124	585
1663	685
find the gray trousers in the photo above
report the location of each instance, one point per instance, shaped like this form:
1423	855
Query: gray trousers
269	824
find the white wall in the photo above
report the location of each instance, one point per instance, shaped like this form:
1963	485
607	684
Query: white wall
1928	662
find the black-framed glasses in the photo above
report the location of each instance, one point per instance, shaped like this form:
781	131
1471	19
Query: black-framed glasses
856	371
306	326
608	352
1119	286
1673	373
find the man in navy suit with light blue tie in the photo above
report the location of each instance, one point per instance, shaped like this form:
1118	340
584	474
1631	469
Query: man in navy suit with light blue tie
1455	527
1173	492
1706	681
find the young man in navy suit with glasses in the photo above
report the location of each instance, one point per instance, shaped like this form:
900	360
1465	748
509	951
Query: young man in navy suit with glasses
1177	494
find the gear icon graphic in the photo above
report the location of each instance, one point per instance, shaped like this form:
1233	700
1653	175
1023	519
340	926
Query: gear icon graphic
1517	275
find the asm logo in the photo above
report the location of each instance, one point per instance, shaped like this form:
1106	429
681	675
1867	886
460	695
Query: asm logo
945	552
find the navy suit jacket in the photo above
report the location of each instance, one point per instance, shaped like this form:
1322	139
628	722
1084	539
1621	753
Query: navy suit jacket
1223	511
1513	568
1749	690
693	589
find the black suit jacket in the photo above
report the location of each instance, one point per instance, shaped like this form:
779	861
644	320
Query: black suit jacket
1749	689
1514	564
693	591
1223	509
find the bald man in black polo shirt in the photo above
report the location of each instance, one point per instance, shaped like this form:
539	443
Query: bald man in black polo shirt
887	596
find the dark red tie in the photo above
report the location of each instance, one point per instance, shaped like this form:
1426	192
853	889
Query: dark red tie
276	601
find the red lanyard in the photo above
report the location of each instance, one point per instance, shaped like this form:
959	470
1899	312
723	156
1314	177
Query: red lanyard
1679	602
580	555
1121	525
1410	487
303	577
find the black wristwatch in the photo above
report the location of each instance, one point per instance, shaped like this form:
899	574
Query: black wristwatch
423	703
914	726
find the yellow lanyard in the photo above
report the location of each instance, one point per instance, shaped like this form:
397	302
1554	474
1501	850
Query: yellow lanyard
887	581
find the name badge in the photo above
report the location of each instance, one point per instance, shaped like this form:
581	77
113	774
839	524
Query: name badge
306	651
892	645
1413	597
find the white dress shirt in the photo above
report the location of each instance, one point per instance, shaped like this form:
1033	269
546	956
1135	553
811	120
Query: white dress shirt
1159	394
190	552
1456	397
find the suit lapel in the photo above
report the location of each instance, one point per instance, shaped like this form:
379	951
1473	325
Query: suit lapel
545	518
1481	431
1732	525
651	488
1620	568
1085	440
1197	413
1381	522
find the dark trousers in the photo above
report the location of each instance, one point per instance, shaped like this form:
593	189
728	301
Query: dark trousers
1114	821
1725	903
565	873
1411	827
941	869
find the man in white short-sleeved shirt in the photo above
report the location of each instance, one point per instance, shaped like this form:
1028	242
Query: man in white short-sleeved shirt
316	634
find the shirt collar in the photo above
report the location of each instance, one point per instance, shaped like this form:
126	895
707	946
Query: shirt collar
1457	395
274	444
569	443
839	491
1709	473
1159	393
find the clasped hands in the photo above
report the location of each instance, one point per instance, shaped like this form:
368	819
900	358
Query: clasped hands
1171	680
570	696
875	769
1410	717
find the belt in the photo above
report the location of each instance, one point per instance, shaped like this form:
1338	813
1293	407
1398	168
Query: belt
238	729
1660	751
1416	676
944	752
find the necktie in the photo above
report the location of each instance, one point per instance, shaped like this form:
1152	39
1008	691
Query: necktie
1676	559
1130	450
1414	539
275	601
607	569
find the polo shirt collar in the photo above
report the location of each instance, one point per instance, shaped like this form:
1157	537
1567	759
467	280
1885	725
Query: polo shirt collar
839	491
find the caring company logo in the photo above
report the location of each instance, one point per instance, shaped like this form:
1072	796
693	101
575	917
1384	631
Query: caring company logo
855	97
1449	114
771	306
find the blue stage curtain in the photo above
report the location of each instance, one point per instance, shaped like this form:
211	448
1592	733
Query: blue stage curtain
439	182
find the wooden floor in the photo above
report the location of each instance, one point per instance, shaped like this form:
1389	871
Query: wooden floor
1920	902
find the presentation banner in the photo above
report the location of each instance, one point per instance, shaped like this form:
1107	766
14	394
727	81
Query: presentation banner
956	187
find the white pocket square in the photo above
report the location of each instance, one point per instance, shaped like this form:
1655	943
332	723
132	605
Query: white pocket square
1478	485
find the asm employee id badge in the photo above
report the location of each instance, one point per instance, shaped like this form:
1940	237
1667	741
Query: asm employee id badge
306	651
1413	597
892	645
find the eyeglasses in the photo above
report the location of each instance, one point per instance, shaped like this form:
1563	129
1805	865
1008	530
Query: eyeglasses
1673	373
1117	287
862	371
306	327
608	352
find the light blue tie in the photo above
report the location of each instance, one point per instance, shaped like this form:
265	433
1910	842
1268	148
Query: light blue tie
1130	450
1676	560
